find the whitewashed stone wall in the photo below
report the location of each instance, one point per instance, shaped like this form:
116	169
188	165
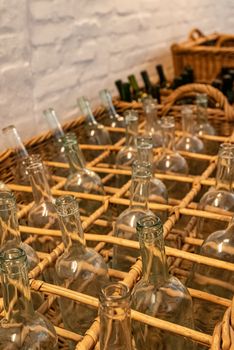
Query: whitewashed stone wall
52	51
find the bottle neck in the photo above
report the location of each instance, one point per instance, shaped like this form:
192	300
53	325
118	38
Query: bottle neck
54	123
9	227
187	121
73	153
115	319
106	99
140	185
168	132
15	286
14	141
131	120
86	111
154	263
202	103
150	109
225	169
70	224
145	149
40	187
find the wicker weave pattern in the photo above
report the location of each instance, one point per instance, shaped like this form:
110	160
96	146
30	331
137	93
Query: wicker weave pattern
179	210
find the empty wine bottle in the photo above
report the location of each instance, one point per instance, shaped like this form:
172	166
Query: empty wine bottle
127	154
152	125
218	245
112	119
190	142
115	320
22	328
170	161
10	236
58	133
125	226
14	141
157	189
42	214
79	268
96	134
219	197
158	294
81	179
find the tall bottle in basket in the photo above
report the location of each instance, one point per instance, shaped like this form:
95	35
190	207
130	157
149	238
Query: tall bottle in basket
158	294
58	152
96	133
219	245
125	226
191	143
203	126
152	125
42	214
112	119
128	154
81	179
170	162
219	198
115	320
157	189
79	268
22	327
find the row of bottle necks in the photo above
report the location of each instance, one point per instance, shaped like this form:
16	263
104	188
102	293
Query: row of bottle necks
133	91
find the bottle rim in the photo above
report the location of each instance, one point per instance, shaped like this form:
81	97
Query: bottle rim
66	205
114	292
10	257
149	227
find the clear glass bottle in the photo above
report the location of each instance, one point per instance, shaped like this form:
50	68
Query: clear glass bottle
81	179
22	328
14	141
125	226
170	161
9	229
96	132
42	214
219	245
191	143
157	189
128	154
58	150
115	318
158	294
4	187
112	119
79	268
221	196
203	126
152	126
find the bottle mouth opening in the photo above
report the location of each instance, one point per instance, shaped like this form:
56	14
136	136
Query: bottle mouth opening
149	227
141	169
66	205
7	201
130	116
168	122
8	128
226	151
114	292
33	162
145	142
69	139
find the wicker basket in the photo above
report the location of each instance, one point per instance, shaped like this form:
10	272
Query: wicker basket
180	211
206	54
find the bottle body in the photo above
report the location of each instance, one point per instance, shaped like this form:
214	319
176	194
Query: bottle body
157	293
78	268
219	245
23	328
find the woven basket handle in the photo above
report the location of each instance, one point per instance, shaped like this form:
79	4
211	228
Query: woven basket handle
191	89
196	34
223	39
223	332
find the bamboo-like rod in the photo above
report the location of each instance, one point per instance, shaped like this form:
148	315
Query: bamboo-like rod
152	321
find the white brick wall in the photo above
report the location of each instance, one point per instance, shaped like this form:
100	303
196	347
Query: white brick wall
52	51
